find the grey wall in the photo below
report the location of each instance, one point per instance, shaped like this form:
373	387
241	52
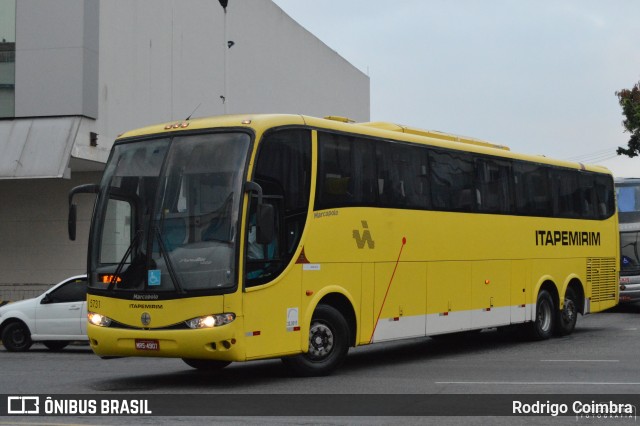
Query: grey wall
57	58
34	246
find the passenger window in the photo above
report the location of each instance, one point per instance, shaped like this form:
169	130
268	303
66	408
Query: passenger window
494	186
402	176
568	200
452	185
346	175
533	197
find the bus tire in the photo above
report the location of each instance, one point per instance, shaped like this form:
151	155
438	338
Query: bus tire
328	344
16	337
567	317
206	364
542	326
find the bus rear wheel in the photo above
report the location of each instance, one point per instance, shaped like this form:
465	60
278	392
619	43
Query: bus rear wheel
543	325
567	317
328	344
206	364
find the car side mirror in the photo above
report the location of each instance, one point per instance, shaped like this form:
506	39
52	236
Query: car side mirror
46	299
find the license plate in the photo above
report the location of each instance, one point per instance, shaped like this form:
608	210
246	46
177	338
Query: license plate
147	345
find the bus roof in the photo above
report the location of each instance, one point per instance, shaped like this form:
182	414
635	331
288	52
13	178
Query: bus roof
262	122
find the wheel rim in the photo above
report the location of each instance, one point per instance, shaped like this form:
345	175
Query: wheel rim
321	341
19	337
544	316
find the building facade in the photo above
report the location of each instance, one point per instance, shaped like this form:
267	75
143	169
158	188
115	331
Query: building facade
76	73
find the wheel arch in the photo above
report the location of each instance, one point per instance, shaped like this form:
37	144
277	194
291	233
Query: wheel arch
339	299
14	319
574	283
550	286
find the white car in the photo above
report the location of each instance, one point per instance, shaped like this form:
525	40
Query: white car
55	318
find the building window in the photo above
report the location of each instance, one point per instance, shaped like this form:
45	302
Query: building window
7	57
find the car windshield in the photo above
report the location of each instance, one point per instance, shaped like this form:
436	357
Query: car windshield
166	218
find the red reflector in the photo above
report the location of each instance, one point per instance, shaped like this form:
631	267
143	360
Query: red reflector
487	309
297	328
256	333
396	319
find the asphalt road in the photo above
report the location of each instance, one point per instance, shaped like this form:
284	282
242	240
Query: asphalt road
600	357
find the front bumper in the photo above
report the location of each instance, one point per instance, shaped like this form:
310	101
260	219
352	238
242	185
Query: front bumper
224	343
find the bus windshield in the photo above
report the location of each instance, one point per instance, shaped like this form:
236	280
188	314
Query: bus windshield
167	214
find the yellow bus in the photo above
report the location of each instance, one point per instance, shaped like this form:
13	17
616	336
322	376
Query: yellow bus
247	237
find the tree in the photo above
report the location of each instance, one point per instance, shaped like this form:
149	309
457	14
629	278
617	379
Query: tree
630	103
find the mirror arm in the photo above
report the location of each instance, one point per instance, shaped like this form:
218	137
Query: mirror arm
251	186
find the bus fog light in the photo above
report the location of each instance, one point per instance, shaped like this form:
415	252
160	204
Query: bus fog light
99	320
210	321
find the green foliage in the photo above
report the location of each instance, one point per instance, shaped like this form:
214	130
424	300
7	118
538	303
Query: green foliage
630	103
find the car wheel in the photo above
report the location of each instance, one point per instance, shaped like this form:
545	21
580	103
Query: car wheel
328	344
56	345
16	337
206	364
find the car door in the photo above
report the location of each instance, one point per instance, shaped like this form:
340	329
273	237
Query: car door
62	312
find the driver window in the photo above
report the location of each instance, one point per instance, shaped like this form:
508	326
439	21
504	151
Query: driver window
283	170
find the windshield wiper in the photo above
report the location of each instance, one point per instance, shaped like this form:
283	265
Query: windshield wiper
116	274
165	255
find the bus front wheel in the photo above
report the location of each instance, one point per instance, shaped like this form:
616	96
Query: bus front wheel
328	344
542	326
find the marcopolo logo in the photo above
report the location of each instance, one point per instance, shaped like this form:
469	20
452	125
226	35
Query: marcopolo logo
365	238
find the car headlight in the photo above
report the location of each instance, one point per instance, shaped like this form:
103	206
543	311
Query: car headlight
209	321
98	319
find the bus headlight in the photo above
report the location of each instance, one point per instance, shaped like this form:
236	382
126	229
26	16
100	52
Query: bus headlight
210	321
99	320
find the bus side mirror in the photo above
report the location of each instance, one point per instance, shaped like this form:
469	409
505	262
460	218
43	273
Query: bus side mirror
265	223
72	221
90	188
265	216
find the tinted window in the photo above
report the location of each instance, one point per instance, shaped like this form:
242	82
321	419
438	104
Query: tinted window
494	186
403	179
568	199
73	291
283	170
533	196
452	176
346	174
